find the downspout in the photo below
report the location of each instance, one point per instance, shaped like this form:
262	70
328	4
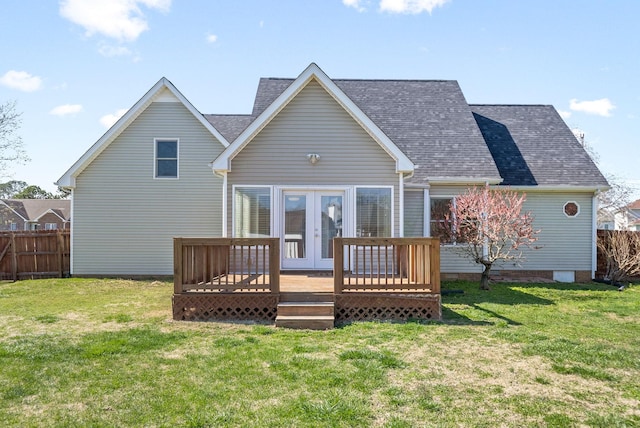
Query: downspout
401	207
594	233
224	205
72	233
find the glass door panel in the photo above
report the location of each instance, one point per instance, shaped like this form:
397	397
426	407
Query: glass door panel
330	223
295	226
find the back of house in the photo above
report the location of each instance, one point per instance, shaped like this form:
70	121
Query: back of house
318	158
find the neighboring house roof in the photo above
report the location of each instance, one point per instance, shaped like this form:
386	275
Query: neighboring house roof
635	205
532	145
34	209
163	90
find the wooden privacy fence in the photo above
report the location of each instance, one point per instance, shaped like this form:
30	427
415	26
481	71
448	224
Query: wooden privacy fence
387	264
34	254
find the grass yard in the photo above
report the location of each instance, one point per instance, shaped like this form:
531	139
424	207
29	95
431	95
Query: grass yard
89	352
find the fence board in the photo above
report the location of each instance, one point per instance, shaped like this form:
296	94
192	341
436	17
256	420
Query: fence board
34	254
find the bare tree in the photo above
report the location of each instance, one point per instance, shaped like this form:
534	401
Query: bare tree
492	227
11	147
621	249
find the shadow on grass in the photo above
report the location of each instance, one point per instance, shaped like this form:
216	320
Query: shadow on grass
467	304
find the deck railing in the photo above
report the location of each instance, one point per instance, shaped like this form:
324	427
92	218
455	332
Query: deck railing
386	264
226	265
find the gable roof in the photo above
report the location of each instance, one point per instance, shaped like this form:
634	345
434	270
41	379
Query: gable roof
163	89
532	145
312	72
34	209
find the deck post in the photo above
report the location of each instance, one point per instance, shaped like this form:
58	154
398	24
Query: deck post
177	265
434	260
338	265
274	265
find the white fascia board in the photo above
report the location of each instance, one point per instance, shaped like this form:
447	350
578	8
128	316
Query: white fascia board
49	211
474	181
558	189
223	162
68	178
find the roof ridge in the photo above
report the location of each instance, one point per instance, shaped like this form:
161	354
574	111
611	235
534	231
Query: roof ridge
369	80
510	105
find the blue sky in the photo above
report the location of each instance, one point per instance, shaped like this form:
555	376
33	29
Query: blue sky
73	66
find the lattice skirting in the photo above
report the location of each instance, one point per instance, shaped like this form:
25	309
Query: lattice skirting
365	307
208	307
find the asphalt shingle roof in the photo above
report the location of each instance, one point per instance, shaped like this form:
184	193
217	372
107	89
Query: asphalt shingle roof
532	145
31	209
446	138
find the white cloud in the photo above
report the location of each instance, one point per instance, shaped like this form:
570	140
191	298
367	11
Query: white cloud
564	114
109	119
601	107
66	109
21	80
356	4
410	6
212	38
111	51
118	19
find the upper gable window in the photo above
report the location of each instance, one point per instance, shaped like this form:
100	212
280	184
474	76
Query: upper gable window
166	158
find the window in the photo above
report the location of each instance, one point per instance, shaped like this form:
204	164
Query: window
50	226
571	209
13	226
373	212
252	212
166	162
440	212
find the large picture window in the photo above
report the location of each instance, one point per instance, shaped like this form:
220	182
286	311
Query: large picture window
441	223
252	212
166	158
373	212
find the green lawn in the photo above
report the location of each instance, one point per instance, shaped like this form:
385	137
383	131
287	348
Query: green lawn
88	352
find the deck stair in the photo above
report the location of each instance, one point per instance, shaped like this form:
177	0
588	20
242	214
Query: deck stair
306	310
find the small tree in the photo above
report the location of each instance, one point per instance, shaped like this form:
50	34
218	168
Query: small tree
491	227
621	250
11	146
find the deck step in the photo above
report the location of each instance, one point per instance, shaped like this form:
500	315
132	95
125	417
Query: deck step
311	322
306	308
306	296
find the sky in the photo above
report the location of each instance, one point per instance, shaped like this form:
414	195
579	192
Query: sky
74	66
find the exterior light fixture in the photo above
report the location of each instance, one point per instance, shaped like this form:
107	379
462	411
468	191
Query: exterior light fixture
313	158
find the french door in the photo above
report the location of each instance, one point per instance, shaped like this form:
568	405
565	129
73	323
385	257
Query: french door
311	219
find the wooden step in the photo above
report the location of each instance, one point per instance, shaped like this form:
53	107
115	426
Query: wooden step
305	308
311	322
306	296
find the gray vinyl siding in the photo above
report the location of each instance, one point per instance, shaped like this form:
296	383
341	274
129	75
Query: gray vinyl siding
413	213
124	219
564	243
313	122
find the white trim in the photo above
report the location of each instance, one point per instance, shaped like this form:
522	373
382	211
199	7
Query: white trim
155	158
14	211
427	213
401	206
225	206
49	211
567	189
68	179
223	162
72	234
594	235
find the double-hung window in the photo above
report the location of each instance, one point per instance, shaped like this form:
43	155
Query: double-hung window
373	211
252	212
166	158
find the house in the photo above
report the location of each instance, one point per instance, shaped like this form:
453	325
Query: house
35	214
628	218
320	157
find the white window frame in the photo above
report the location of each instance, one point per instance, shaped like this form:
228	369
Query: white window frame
355	207
427	204
234	208
564	209
155	158
13	226
50	226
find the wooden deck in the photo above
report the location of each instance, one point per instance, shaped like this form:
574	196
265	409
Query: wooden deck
240	279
